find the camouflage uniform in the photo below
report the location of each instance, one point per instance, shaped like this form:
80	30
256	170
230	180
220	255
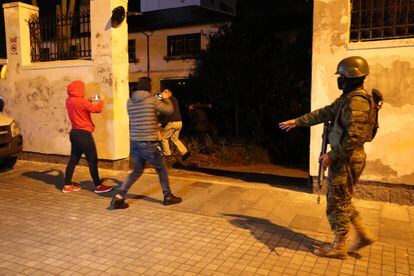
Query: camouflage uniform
350	128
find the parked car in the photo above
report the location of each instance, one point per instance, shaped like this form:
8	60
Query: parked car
11	140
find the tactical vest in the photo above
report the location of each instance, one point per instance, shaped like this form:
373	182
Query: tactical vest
336	129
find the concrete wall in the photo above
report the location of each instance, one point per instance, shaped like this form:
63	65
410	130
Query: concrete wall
35	93
160	68
390	157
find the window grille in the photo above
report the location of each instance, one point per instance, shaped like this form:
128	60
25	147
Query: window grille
184	46
63	37
381	19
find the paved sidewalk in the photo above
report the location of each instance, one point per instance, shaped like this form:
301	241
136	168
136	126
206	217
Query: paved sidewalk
225	226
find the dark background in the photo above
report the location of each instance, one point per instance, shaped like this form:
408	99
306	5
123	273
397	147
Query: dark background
256	73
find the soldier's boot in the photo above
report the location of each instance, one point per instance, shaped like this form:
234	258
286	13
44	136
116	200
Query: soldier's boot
337	249
363	238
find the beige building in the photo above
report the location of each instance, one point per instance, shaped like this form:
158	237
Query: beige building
384	35
164	44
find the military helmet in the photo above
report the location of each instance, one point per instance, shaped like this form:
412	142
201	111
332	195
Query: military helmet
353	67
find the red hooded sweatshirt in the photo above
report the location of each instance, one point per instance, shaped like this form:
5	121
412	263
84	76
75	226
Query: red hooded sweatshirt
80	109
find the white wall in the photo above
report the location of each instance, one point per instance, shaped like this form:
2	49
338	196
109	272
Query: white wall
160	68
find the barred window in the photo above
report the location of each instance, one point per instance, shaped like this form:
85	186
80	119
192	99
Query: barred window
381	19
64	37
188	45
132	55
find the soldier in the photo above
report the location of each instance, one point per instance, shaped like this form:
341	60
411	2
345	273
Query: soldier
350	127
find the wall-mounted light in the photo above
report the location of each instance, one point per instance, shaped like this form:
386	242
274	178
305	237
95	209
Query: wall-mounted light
118	16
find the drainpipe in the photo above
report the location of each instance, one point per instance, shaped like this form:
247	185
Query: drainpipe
148	34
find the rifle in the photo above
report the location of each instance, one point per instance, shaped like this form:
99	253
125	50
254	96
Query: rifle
323	151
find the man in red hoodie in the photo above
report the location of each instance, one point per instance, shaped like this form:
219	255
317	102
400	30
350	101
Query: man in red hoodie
79	111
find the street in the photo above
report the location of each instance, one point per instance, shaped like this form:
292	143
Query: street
224	226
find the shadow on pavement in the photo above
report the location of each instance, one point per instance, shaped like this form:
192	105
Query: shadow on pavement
277	236
57	178
51	176
89	186
285	182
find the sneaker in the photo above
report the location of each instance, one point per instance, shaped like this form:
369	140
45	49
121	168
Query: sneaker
171	199
103	189
73	187
118	203
186	155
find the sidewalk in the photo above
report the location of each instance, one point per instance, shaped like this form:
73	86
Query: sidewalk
225	226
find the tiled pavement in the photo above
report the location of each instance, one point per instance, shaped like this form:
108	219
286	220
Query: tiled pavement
225	226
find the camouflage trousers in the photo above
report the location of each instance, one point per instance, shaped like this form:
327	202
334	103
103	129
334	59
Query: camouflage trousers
342	177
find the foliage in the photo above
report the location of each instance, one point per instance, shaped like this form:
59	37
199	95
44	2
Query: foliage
207	152
256	73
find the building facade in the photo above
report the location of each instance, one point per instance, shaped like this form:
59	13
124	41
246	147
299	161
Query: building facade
383	33
165	44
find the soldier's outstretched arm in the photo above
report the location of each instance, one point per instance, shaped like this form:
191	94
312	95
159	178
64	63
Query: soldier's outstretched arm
322	115
356	123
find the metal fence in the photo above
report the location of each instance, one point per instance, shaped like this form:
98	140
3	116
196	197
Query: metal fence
381	19
60	37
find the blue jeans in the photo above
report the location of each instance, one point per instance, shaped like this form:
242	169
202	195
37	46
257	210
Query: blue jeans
141	153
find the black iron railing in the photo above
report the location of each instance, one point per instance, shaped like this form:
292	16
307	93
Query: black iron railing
381	19
60	37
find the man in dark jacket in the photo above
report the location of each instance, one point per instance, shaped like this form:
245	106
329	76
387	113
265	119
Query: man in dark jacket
79	111
171	130
143	109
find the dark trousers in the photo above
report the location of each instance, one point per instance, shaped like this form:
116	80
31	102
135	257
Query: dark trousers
82	143
143	152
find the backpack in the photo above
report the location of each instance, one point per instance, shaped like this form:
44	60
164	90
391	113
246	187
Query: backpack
375	100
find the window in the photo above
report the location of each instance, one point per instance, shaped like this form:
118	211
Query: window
132	56
183	46
381	19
